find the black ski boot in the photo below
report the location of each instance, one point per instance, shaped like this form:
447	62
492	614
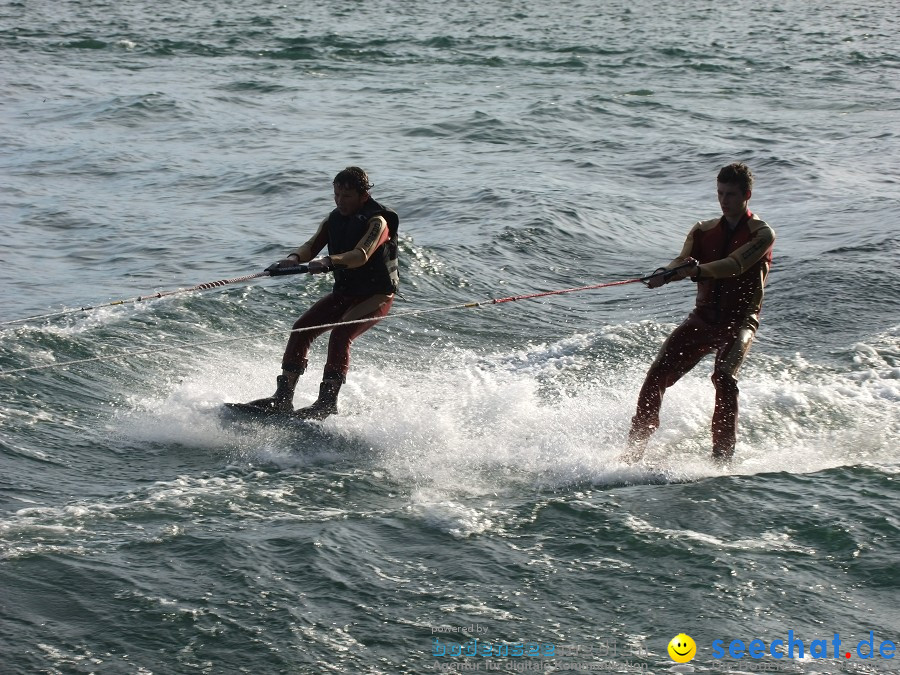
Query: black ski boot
325	405
279	403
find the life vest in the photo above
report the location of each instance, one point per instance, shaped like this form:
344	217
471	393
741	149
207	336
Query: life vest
380	273
740	296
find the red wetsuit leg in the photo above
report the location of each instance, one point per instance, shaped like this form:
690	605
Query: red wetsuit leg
729	358
329	309
681	351
371	307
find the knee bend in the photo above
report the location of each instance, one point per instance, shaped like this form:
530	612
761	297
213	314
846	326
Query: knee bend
660	378
724	381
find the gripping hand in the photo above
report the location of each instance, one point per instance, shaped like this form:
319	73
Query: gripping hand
320	265
663	275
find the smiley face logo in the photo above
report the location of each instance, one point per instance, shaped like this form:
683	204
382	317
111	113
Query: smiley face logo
682	648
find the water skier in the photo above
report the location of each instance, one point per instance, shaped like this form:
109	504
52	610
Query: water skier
361	236
729	259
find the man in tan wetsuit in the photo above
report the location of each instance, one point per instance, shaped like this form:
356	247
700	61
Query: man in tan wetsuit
729	259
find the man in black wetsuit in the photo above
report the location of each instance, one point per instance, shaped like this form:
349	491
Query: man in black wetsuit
361	236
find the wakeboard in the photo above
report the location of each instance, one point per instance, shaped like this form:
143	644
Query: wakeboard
245	412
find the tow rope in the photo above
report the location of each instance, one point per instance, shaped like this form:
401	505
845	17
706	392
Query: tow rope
285	271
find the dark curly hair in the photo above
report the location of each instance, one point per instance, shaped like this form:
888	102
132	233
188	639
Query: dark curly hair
738	173
353	177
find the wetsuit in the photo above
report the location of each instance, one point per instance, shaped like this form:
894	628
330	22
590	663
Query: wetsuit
363	250
734	264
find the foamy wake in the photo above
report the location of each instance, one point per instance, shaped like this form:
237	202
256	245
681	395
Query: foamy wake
464	426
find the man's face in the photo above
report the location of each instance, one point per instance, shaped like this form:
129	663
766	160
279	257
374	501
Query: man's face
348	200
732	200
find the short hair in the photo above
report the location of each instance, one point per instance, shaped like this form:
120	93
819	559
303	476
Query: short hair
353	177
739	173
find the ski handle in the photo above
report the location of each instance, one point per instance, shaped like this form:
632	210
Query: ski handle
275	271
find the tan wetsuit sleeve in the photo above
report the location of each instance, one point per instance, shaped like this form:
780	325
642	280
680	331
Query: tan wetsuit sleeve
685	249
738	261
743	258
376	234
309	250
